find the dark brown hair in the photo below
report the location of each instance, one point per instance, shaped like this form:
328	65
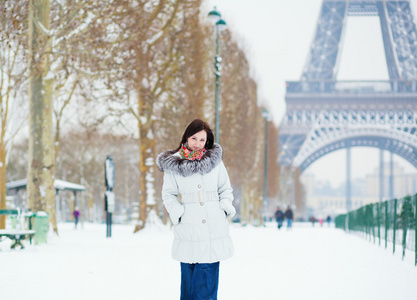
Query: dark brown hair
196	126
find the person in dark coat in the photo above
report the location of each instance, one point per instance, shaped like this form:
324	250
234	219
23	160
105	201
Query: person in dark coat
289	216
328	219
313	220
279	217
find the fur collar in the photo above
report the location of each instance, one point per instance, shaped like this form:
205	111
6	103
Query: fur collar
168	161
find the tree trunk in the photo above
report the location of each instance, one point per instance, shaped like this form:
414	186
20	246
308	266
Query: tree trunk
245	206
2	180
40	185
56	140
146	161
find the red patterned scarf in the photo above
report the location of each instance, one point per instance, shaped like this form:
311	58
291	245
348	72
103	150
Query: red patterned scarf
191	155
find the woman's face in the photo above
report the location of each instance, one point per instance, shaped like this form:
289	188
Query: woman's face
197	141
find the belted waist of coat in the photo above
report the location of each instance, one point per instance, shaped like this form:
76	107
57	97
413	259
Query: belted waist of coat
201	196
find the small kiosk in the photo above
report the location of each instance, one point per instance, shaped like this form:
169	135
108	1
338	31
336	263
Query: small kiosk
64	208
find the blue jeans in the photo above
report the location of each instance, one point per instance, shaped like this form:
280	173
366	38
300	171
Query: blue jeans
199	281
289	223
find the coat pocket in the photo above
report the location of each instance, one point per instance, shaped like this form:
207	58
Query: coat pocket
215	211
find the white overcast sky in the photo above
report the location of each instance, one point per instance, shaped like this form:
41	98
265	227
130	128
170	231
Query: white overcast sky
276	35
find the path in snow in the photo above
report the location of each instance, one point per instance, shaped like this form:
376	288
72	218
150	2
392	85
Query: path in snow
303	263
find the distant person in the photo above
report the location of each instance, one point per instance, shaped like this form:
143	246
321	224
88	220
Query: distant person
289	216
321	221
195	172
328	219
313	220
76	214
279	217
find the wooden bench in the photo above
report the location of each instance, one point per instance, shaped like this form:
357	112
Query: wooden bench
16	235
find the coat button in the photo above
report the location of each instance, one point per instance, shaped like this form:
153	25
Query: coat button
204	221
199	186
201	203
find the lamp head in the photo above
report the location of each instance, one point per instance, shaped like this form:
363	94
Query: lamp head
214	15
221	25
265	114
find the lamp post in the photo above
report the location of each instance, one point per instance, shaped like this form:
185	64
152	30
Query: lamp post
265	114
109	195
220	25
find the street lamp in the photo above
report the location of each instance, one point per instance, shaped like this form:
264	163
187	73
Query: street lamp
109	195
220	25
265	114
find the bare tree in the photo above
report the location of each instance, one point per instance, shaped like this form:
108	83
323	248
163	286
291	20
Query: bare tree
82	159
40	186
12	77
78	42
241	130
144	69
186	94
273	175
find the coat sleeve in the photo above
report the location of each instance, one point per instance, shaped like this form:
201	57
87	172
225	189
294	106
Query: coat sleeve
225	191
170	198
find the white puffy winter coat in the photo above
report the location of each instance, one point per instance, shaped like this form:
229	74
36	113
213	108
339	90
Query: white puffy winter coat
198	197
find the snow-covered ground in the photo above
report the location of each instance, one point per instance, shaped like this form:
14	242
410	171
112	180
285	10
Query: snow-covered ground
303	263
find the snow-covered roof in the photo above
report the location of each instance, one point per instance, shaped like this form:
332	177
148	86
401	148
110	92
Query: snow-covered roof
59	185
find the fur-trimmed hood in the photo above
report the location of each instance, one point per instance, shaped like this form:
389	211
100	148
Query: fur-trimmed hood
168	161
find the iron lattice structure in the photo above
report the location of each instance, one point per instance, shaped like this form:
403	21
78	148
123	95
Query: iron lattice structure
324	115
333	129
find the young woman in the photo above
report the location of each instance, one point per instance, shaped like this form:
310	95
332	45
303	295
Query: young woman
198	197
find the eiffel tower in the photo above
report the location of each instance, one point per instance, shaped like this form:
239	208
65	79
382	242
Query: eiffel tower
324	115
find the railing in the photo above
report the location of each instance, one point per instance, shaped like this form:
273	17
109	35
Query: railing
352	87
390	221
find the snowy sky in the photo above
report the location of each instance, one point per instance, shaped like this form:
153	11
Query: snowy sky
276	35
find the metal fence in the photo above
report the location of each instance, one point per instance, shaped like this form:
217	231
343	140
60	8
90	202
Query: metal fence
390	221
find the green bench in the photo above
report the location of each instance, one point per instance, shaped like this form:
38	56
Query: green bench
16	235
